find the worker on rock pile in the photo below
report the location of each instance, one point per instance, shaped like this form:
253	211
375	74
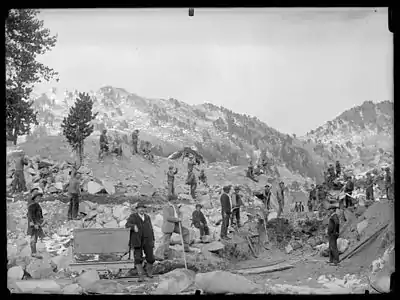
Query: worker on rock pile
338	169
170	181
19	184
192	182
203	177
280	196
348	189
225	211
312	198
74	191
103	144
237	202
321	197
267	196
331	175
369	187
141	240
388	183
200	222
191	164
333	234
35	221
171	219
135	139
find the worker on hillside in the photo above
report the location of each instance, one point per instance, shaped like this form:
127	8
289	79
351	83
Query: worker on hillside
333	234
369	187
141	240
280	196
192	182
171	180
264	164
331	175
103	144
267	196
200	222
147	151
312	198
250	171
135	139
191	164
74	191
117	146
35	221
225	211
338	169
18	184
388	183
348	189
237	202
171	219
203	177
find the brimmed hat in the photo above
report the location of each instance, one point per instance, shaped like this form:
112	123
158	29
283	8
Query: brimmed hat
170	167
140	204
237	188
281	182
267	185
198	205
35	194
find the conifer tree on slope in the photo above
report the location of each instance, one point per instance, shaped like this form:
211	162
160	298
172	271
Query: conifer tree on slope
77	125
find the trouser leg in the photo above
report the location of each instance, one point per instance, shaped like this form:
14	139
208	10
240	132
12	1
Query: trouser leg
224	225
75	206
70	208
333	249
201	228
166	243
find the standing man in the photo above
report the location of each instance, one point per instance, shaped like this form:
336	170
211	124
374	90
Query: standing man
267	196
338	169
225	211
141	240
388	183
236	204
312	198
280	196
331	175
35	221
348	189
199	221
333	234
18	184
191	180
170	181
103	144
191	164
171	218
203	177
135	139
369	187
74	191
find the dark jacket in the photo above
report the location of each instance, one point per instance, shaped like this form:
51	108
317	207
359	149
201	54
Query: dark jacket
349	186
145	232
103	139
280	195
191	164
388	180
236	200
321	195
191	178
313	195
171	176
35	217
135	137
20	163
197	217
333	226
225	204
370	183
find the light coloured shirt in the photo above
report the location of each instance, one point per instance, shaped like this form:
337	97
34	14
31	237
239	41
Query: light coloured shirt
175	214
141	216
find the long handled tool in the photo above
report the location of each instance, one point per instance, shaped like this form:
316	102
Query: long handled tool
184	255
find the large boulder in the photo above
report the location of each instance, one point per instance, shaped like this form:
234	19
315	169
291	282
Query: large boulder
205	201
15	273
38	286
109	187
175	282
72	289
121	212
105	287
88	278
158	220
111	224
221	282
172	253
361	226
41	268
342	245
94	187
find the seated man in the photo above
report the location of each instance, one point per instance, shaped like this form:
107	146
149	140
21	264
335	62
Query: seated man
199	221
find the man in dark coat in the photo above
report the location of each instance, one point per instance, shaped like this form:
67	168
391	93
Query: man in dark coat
388	183
236	204
199	221
191	180
312	198
338	169
348	189
171	180
135	139
141	240
18	184
280	196
74	191
267	196
331	175
225	211
369	187
203	177
35	221
333	234
103	144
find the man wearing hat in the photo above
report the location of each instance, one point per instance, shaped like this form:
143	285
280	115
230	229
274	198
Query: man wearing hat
141	240
236	204
103	143
338	169
199	221
171	219
369	187
348	189
18	184
170	181
225	211
267	196
312	198
388	183
135	139
35	221
74	191
192	182
280	196
333	234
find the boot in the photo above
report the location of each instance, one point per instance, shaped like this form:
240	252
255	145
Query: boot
140	270
33	251
149	270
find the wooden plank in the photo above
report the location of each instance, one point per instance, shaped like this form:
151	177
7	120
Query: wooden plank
260	264
98	266
251	246
99	241
264	270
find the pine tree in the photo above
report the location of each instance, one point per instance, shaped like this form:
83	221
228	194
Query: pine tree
77	125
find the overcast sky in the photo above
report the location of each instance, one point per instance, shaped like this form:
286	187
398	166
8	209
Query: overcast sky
292	68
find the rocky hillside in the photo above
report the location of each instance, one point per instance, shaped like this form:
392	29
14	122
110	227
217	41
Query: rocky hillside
219	134
361	136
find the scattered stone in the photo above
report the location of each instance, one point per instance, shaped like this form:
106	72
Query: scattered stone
121	213
41	268
87	278
15	273
72	289
175	282
288	249
213	247
342	244
94	187
172	253
361	226
158	220
31	286
104	287
111	224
